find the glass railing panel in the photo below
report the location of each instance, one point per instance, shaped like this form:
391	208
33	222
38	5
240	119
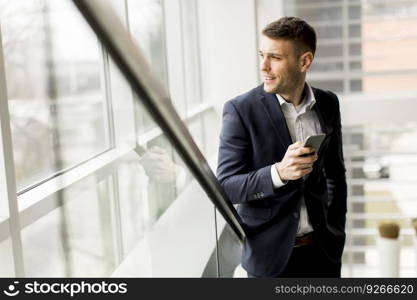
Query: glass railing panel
167	220
6	262
229	251
142	216
76	237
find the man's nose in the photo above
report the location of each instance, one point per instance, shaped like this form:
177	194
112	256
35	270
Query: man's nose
265	64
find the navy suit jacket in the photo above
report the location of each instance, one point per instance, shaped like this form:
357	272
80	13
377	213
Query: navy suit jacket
254	137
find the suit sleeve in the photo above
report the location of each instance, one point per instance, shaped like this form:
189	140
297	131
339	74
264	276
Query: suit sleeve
240	183
336	176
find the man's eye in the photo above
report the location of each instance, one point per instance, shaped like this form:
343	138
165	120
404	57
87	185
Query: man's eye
276	57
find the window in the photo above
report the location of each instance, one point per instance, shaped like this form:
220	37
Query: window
54	86
102	190
146	24
364	44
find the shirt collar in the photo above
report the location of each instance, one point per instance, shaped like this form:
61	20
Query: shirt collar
309	100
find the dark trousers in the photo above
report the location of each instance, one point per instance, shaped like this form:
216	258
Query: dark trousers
308	261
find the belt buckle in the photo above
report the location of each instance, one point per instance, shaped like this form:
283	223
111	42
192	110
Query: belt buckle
300	237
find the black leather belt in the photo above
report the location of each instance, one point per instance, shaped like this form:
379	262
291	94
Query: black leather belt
303	240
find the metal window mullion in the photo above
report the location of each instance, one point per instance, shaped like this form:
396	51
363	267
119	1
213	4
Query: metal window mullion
164	45
113	189
138	116
112	182
183	63
7	177
346	50
198	50
117	217
109	119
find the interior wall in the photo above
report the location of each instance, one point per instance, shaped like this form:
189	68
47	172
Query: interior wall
227	31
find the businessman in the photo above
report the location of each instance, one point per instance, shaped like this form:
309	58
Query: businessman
292	198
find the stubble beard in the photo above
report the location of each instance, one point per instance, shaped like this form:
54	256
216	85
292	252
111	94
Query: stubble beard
293	79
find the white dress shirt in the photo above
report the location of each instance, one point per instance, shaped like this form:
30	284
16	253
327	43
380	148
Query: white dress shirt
302	121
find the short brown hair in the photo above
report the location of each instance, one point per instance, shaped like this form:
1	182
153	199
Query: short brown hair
293	29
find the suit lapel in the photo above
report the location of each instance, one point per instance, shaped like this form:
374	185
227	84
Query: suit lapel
320	110
323	116
319	114
276	117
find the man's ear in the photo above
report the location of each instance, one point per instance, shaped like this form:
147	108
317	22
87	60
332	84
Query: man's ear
306	59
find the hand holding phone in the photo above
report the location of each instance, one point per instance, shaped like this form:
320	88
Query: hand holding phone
298	159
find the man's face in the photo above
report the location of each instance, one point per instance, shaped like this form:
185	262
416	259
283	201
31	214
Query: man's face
280	66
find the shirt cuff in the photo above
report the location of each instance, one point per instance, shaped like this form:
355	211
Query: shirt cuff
276	180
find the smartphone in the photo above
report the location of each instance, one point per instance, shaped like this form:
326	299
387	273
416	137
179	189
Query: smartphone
314	141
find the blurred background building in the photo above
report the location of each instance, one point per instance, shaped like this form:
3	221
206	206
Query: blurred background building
90	184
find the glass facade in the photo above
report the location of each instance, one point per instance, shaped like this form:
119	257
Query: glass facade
54	88
101	190
362	46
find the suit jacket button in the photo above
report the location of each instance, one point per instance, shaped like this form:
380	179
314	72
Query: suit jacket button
295	215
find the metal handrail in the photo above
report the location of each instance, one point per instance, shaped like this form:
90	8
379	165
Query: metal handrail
118	42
